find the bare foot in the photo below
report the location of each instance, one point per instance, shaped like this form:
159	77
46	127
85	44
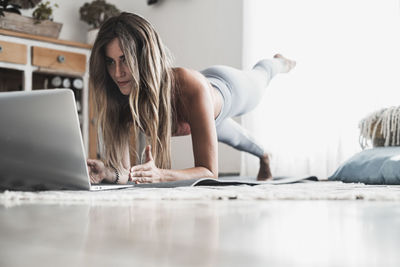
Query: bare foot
289	64
265	172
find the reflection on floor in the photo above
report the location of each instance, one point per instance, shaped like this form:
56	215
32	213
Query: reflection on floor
209	233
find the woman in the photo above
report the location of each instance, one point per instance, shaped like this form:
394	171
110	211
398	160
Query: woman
136	89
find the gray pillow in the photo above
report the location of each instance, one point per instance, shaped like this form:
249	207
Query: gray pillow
380	165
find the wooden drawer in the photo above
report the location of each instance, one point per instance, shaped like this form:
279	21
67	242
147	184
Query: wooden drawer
58	60
12	52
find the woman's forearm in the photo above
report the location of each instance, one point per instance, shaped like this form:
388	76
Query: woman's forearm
149	173
191	173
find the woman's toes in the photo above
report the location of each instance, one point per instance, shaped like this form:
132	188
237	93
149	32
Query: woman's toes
289	64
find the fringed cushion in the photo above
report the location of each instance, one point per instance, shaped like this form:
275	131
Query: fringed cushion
380	164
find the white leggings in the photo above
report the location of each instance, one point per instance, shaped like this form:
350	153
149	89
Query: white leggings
241	91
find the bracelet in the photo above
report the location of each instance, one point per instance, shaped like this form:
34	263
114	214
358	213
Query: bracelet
116	174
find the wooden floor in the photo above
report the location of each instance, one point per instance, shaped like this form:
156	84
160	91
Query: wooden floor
202	233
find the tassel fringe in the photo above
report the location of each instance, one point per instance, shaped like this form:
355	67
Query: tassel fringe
381	128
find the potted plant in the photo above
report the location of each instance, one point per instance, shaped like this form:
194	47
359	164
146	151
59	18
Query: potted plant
94	14
44	11
14	6
10	18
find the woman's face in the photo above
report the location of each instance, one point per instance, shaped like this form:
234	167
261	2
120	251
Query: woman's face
117	67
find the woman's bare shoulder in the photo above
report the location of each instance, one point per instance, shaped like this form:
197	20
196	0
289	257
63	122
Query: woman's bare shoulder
191	82
186	73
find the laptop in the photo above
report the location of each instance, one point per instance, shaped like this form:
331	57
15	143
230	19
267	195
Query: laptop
41	146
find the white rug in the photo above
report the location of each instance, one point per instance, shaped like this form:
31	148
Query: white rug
323	190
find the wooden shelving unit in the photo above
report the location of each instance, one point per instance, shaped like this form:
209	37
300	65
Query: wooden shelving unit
30	62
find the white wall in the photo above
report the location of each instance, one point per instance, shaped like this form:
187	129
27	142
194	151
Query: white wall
347	55
199	33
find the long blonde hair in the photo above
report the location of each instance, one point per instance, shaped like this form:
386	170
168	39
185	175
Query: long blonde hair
149	106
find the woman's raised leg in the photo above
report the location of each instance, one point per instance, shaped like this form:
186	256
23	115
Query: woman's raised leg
242	92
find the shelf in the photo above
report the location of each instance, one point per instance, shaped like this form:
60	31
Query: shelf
11	80
44	39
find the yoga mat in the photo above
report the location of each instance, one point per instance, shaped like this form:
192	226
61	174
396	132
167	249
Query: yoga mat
227	180
222	181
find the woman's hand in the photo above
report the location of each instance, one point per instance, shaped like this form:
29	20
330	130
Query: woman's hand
147	172
97	171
